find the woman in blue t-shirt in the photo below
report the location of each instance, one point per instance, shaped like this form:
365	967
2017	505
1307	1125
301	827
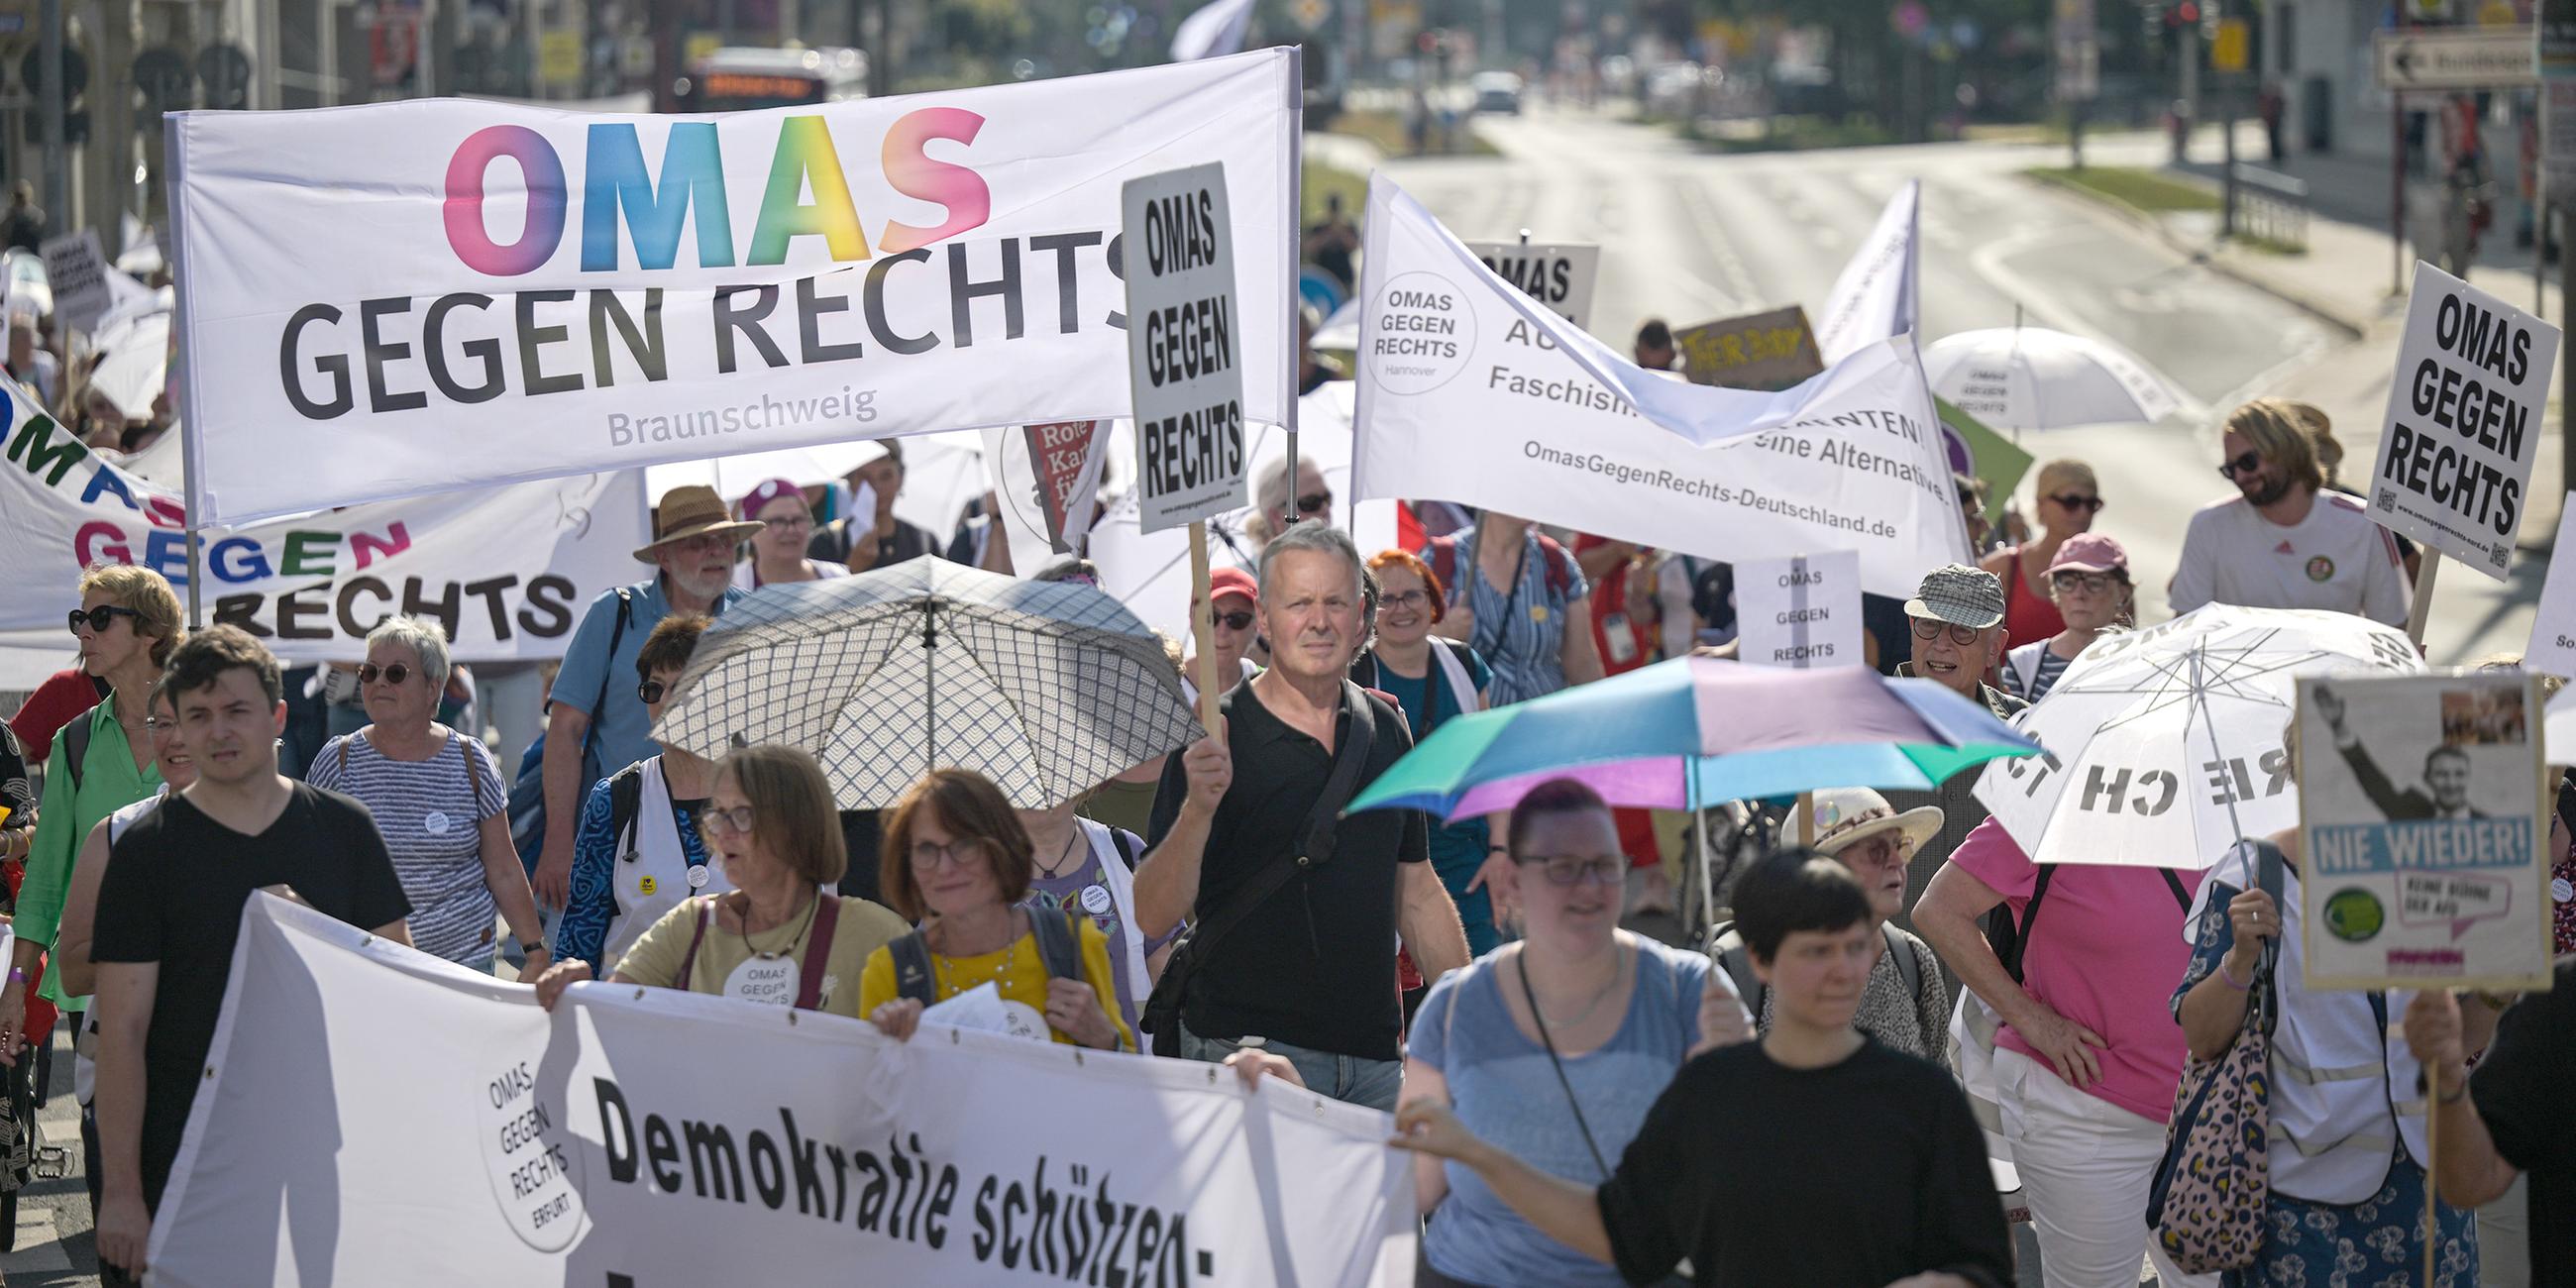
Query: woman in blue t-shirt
1435	681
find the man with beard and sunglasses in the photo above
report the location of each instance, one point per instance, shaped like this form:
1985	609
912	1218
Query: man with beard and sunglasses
2285	541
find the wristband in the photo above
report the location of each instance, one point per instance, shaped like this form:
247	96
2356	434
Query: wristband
2240	985
17	976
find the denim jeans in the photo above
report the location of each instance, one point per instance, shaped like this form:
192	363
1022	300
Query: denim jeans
1347	1078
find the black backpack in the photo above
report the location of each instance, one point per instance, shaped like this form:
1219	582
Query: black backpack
1059	946
2010	939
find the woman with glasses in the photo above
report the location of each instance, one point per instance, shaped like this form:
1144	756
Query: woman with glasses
1553	1048
1437	680
2088	581
439	800
959	861
2069	497
781	936
786	527
638	851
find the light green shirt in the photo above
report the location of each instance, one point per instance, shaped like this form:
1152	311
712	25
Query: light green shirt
109	782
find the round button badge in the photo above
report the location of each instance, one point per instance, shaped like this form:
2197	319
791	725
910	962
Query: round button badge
697	876
434	823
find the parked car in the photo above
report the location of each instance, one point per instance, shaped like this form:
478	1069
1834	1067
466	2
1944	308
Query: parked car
1497	92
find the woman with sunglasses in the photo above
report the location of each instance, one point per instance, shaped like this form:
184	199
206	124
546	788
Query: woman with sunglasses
778	549
128	623
2089	583
638	850
1435	681
439	800
1553	1047
2069	497
959	861
782	936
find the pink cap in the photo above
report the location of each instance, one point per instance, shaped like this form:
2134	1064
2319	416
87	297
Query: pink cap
2090	552
1232	581
767	492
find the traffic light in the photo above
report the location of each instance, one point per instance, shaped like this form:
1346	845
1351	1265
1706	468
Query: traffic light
75	79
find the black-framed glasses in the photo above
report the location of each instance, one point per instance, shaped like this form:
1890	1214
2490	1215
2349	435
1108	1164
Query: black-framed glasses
395	674
962	852
2071	580
791	523
1928	629
651	691
1237	620
97	619
2078	503
1569	871
1406	599
1314	503
2245	464
717	822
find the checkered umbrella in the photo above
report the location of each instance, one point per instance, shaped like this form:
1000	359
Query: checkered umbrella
1048	689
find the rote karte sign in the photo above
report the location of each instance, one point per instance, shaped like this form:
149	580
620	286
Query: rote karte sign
2466	413
1182	346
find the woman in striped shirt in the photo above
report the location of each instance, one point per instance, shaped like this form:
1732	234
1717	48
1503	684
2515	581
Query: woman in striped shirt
438	799
2089	582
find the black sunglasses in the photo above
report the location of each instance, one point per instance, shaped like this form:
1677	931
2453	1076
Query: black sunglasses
2073	501
1314	503
99	617
395	674
1235	621
651	691
2246	464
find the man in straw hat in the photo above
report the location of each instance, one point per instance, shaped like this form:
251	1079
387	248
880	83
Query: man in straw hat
694	543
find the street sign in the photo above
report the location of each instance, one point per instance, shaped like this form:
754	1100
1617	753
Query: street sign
2456	58
2227	53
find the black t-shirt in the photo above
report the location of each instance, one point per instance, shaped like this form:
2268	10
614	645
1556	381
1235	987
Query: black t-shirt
1855	1175
831	543
2524	1094
1314	965
173	894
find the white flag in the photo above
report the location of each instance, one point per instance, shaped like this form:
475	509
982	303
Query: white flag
1214	30
1470	391
1879	293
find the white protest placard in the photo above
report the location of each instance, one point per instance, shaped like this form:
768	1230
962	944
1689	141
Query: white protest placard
2422	810
1878	293
2466	413
1558	276
507	571
2552	649
1470	391
374	1116
1799	612
77	270
1185	338
535	293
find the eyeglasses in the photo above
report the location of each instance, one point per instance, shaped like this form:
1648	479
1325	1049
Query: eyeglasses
792	523
1407	599
2078	503
156	726
395	674
1314	502
960	853
1237	620
99	617
1928	629
2246	464
1883	850
718	822
1563	870
651	691
2069	582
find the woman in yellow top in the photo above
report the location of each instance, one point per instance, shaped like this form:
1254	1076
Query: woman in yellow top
959	859
780	936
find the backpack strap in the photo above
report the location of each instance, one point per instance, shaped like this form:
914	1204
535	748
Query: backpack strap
697	936
1364	669
911	955
1909	964
344	757
2174	884
1129	847
625	802
818	951
1059	944
76	746
616	636
2029	917
1557	566
1726	947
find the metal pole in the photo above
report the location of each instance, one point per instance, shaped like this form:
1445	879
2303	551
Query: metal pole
58	190
1296	302
2396	193
2566	353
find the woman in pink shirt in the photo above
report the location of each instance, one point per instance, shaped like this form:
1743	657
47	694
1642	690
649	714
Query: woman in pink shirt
2087	1054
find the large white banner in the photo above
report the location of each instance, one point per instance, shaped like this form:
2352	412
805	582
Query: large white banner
373	1116
1879	293
1470	391
507	570
446	293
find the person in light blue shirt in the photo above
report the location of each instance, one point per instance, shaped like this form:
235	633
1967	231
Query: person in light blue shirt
695	540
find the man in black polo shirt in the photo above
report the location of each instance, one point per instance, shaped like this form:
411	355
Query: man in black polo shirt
1309	972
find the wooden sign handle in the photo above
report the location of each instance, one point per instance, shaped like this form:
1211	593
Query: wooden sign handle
2422	611
1203	627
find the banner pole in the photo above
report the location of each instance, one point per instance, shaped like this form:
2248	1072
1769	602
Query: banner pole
2422	609
1296	300
1807	819
2432	1146
1203	627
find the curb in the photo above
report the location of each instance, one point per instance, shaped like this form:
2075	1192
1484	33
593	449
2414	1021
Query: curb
2206	256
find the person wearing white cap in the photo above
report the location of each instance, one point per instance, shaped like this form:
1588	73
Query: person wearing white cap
778	549
1904	1004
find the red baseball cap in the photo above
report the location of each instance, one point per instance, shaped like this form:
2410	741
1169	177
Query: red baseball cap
2090	552
1232	581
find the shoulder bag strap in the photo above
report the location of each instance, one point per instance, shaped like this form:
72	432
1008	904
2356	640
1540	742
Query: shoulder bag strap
697	936
2174	884
1571	1101
818	951
1462	686
344	759
76	745
1908	966
2029	918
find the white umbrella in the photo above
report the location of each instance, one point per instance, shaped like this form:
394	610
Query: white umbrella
2164	746
2033	378
134	363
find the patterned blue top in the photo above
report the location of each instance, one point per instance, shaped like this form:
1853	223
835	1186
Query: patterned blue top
583	932
1520	632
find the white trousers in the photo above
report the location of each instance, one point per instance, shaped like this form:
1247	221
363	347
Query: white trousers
2086	1166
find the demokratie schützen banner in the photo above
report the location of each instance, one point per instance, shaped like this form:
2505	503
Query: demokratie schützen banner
444	293
506	570
1470	391
374	1116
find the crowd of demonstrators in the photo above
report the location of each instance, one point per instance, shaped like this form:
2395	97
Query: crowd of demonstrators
640	849
876	539
1552	1048
169	912
2285	541
1904	1005
962	866
1296	909
438	800
1956	625
2089	589
1435	680
1815	1147
780	935
1521	601
786	522
2068	499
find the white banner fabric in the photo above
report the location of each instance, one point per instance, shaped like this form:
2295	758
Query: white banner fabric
506	570
1470	391
446	293
372	1115
1879	293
